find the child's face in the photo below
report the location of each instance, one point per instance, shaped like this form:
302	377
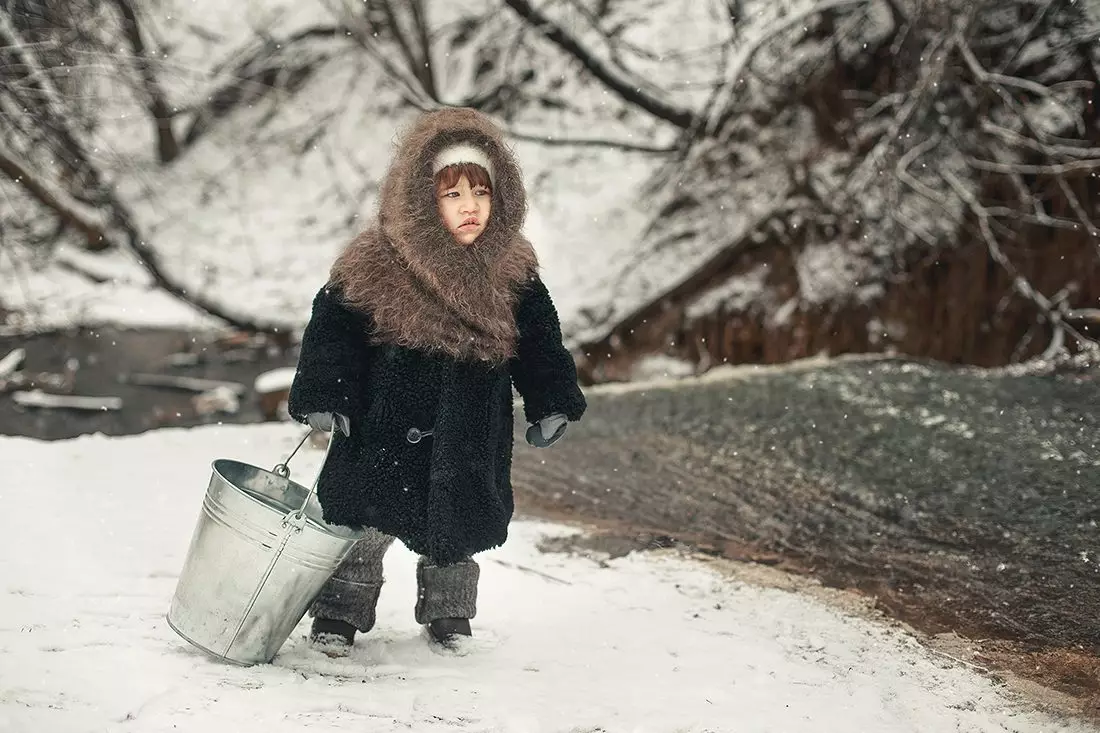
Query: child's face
465	209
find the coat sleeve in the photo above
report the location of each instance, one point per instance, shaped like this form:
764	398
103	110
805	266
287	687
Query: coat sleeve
330	362
543	370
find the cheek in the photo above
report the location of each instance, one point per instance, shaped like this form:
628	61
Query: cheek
447	212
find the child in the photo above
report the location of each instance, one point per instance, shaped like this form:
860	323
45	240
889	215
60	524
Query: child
428	319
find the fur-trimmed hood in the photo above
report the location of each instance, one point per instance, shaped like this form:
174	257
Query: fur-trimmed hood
421	287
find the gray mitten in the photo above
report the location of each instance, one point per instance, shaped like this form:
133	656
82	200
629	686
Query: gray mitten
324	421
548	430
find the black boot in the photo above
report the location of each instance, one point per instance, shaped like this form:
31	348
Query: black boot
446	631
331	636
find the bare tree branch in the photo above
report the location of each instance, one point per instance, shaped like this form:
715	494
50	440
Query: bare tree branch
557	35
418	65
360	30
57	116
1089	315
1078	209
76	214
1026	36
1048	149
745	56
258	73
939	51
420	23
151	262
77	269
902	170
1052	168
168	147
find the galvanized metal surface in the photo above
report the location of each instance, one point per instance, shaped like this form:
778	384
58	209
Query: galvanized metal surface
258	557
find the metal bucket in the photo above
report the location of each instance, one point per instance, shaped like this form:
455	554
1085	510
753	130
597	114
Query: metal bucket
258	557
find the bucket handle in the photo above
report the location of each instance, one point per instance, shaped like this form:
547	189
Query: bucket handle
282	470
297	516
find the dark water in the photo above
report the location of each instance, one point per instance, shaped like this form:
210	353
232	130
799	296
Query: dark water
106	355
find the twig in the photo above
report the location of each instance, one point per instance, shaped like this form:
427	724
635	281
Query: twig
990	77
1052	168
420	20
1048	149
76	269
1090	315
911	227
999	81
942	47
902	169
1075	204
1003	212
953	658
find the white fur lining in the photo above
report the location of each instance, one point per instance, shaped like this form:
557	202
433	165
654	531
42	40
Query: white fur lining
463	153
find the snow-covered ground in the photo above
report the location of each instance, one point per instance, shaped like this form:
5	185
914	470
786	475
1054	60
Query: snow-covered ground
96	531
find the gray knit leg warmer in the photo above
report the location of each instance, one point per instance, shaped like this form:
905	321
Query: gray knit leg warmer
351	594
446	591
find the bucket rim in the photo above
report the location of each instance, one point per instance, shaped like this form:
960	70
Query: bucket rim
317	523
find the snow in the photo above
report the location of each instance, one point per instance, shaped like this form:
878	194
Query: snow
736	293
828	270
274	380
653	642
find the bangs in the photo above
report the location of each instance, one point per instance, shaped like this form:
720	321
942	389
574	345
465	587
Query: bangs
475	174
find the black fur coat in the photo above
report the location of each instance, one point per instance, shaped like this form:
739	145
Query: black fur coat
449	495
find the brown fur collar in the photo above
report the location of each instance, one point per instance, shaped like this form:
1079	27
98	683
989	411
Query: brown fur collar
421	287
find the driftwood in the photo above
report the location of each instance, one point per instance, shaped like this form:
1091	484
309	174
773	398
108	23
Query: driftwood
38	398
218	400
12	363
12	378
191	384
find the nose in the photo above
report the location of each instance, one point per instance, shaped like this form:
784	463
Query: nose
469	205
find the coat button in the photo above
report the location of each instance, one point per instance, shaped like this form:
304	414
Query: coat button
415	435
